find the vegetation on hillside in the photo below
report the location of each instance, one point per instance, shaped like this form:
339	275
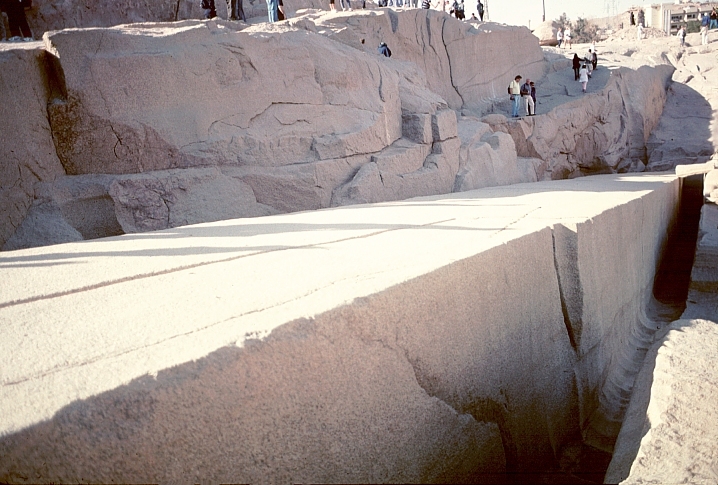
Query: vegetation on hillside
582	30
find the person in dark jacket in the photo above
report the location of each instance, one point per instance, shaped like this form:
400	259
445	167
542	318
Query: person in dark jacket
208	9
576	66
15	10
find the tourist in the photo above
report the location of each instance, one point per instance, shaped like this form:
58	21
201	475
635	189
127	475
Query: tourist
208	9
533	95
235	10
559	37
576	66
455	9
348	5
17	22
705	21
639	32
714	19
681	34
473	16
514	95
633	19
594	60
332	8
567	37
527	99
583	77
272	7
384	50
480	9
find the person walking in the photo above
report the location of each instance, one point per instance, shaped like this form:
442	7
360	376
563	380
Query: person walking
583	77
559	37
594	59
567	37
527	99
515	95
639	32
576	66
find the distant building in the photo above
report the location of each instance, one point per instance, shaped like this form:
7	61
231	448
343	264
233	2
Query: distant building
668	17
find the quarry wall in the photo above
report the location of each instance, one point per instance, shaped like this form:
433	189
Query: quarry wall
166	124
442	338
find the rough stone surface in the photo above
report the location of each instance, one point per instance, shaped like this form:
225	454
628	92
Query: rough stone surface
670	431
440	45
388	357
208	95
27	154
600	133
171	198
546	33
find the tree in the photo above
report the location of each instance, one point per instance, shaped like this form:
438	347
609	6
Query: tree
584	31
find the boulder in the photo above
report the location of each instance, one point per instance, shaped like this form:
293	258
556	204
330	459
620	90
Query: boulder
487	159
546	33
43	225
171	198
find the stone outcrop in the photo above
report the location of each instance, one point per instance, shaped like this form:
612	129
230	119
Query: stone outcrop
603	132
546	33
405	341
455	56
27	154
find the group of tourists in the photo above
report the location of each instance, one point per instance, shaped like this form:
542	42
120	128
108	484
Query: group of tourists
708	21
522	94
275	8
564	37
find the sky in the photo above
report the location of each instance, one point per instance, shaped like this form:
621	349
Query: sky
520	12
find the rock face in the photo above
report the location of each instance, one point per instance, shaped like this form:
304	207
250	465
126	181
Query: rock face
603	133
27	154
670	431
465	63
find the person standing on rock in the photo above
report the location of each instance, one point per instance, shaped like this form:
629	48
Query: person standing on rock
208	9
527	99
576	66
235	10
633	19
272	7
480	9
639	32
583	77
682	35
705	21
533	95
384	50
15	10
515	95
714	19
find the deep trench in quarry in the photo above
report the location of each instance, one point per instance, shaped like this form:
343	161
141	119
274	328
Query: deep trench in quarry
577	461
